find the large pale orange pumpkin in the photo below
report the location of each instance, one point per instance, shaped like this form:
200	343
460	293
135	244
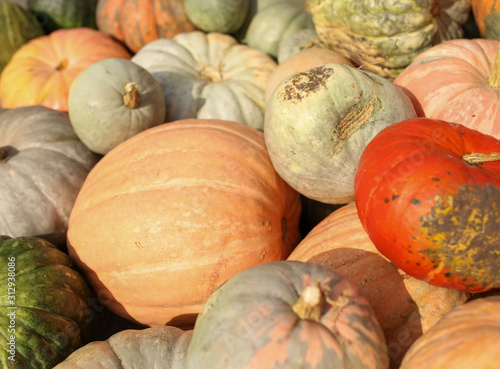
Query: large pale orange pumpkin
137	23
404	306
457	81
41	71
170	214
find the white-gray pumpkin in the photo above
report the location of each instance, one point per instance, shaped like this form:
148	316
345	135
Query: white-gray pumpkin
209	76
159	347
113	100
43	165
319	121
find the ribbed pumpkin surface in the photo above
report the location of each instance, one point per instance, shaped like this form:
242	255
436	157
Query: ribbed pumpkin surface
404	306
168	215
41	71
466	338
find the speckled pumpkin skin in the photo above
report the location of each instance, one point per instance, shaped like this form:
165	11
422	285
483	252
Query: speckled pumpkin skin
318	122
385	38
431	213
249	323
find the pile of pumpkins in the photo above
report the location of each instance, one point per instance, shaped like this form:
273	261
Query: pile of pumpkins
250	183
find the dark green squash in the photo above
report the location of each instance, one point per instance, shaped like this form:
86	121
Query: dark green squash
17	26
55	14
44	304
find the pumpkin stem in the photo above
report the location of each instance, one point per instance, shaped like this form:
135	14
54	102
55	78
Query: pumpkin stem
494	80
478	158
310	303
62	65
132	98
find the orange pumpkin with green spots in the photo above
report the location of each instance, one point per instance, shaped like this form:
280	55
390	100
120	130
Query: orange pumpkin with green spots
428	195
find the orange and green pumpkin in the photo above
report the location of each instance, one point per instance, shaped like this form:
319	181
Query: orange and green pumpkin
44	304
428	196
287	314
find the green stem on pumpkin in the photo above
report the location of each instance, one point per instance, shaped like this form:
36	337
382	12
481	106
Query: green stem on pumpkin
310	304
132	98
494	80
478	158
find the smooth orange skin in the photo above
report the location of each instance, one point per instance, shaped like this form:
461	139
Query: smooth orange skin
137	23
450	82
465	338
404	306
32	76
170	214
405	173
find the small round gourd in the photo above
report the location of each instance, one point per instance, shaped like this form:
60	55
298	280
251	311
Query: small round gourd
225	16
318	122
111	101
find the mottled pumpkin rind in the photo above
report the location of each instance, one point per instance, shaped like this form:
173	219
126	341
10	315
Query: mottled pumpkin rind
440	214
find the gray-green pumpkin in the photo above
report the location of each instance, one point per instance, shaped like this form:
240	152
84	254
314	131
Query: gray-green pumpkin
274	21
225	16
319	121
151	348
43	165
17	26
44	304
113	100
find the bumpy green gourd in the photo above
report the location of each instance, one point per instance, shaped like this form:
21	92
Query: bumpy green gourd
385	36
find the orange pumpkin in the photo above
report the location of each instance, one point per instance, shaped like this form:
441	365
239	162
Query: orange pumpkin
41	71
170	214
457	81
137	23
404	306
468	337
487	16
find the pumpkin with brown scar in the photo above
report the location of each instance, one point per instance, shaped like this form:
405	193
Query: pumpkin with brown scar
428	195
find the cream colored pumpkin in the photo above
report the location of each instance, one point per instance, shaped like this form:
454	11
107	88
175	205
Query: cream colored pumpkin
319	121
209	76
